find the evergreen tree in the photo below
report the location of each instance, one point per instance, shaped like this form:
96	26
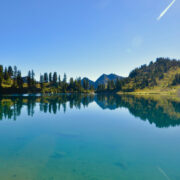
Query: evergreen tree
50	77
1	79
1	75
42	80
59	80
101	88
45	77
29	80
19	80
32	75
109	85
64	83
15	72
118	85
1	70
176	80
112	85
65	78
6	75
85	84
71	84
10	71
79	85
76	87
33	82
55	78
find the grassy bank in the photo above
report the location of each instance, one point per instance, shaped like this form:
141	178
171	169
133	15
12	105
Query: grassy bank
175	90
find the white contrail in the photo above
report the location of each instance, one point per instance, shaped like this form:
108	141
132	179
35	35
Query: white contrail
164	12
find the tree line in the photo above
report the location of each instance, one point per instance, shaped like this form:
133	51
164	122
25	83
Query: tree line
144	76
148	109
11	81
11	106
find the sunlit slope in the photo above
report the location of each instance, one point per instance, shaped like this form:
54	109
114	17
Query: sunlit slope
157	77
165	84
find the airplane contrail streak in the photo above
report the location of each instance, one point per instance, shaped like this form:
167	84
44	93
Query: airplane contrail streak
164	12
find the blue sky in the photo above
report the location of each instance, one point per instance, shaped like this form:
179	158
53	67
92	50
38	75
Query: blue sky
87	37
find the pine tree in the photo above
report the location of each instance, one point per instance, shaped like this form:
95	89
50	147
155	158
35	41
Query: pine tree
19	80
101	88
1	79
71	84
33	82
6	75
176	80
1	75
15	72
42	81
79	84
32	74
46	77
112	85
85	84
59	80
109	85
29	79
64	83
50	77
55	78
10	71
65	78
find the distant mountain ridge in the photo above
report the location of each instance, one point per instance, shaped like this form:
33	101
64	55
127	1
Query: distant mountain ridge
103	79
91	83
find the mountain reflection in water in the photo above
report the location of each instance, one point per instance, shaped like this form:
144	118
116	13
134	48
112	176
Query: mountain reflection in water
161	111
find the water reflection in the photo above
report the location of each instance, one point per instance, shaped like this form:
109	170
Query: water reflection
161	111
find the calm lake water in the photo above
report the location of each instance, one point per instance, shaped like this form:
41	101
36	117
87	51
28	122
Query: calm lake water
80	137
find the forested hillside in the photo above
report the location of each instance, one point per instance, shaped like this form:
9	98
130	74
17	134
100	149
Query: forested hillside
163	74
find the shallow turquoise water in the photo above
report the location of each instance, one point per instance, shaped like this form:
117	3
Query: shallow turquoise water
66	137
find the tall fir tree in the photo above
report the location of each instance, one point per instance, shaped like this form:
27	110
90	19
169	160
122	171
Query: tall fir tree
50	77
1	76
10	71
42	81
29	80
55	78
46	77
59	80
6	75
19	80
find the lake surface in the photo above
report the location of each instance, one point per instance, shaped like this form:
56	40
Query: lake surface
81	137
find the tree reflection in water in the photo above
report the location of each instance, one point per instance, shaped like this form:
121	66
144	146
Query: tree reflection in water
163	112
